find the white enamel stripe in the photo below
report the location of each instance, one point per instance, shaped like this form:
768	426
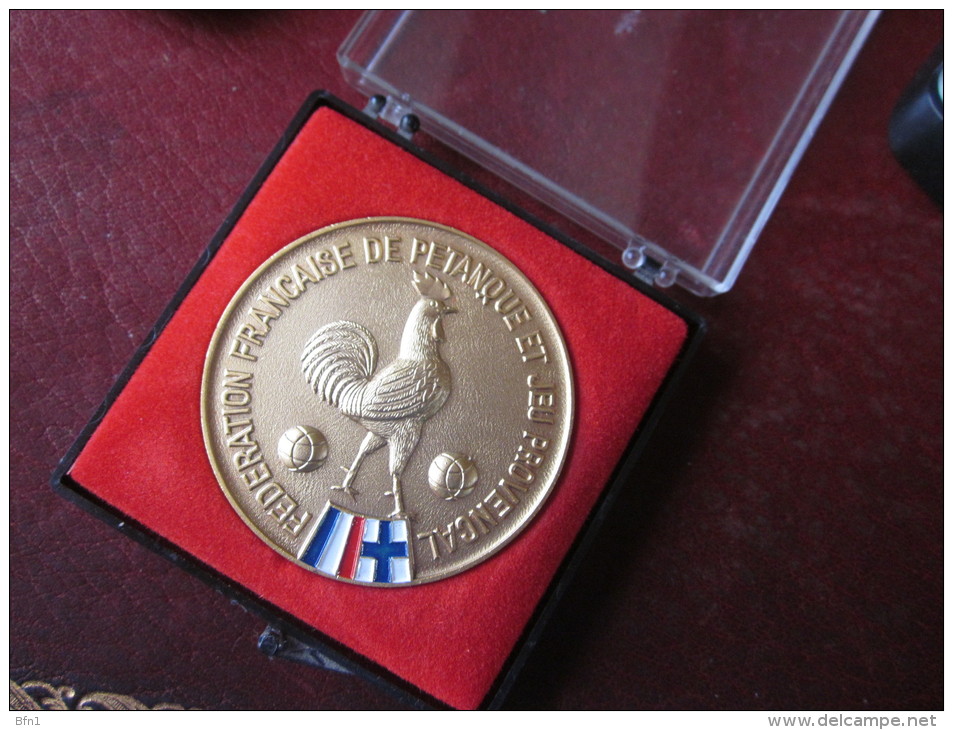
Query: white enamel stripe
331	557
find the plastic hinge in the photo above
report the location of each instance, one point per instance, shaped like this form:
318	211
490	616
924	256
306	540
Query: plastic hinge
388	109
646	268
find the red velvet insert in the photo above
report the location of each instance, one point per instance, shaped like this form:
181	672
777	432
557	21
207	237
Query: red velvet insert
450	638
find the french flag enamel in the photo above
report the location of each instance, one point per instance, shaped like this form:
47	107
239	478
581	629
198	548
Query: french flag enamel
351	546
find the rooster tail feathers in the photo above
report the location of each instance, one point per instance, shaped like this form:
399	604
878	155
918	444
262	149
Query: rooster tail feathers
338	361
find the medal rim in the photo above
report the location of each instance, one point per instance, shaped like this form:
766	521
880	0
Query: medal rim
564	366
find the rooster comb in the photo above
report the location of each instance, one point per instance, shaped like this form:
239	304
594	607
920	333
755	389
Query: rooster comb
431	287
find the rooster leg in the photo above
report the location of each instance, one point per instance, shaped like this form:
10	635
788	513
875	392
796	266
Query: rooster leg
398	501
402	444
371	443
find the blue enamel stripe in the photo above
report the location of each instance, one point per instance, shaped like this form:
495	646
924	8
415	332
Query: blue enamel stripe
321	537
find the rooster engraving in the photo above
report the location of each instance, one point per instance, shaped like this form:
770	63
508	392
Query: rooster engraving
339	363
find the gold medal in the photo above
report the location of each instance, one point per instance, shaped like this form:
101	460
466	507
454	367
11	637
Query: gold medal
387	401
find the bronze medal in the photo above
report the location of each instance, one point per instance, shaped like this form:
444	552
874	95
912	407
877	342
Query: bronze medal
387	401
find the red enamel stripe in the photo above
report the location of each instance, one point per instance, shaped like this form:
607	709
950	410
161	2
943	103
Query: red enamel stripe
352	551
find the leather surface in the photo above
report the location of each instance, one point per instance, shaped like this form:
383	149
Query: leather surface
781	546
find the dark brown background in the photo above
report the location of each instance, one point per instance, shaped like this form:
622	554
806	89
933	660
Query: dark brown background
781	546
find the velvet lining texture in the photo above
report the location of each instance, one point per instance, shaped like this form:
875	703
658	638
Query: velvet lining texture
451	638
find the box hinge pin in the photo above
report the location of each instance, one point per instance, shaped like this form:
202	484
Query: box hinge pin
390	110
636	259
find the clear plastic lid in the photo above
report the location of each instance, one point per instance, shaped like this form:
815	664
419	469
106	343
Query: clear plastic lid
670	134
